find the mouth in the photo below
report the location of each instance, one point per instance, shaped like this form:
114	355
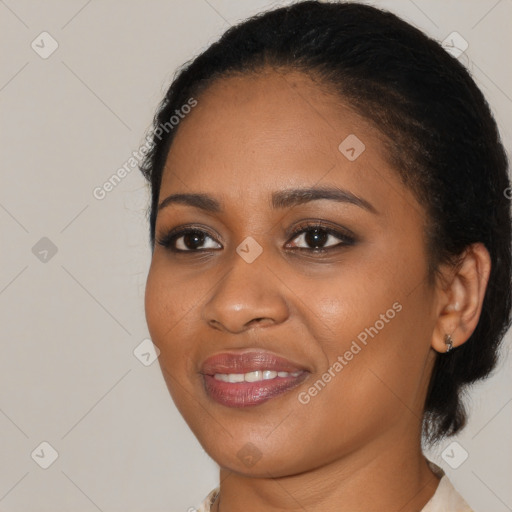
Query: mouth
249	378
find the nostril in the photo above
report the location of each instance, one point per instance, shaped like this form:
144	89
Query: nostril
259	320
213	323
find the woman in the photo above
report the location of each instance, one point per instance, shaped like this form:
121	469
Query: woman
331	257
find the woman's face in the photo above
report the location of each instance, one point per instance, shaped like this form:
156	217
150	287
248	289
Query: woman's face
280	357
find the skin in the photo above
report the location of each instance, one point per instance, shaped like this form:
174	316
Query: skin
355	446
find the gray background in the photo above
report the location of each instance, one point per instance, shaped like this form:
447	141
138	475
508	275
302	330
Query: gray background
71	320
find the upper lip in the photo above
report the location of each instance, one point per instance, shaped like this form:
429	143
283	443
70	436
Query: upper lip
249	361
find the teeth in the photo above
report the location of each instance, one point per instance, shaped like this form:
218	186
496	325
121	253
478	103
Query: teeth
252	376
255	376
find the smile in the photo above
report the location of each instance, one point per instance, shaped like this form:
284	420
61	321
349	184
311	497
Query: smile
253	376
249	378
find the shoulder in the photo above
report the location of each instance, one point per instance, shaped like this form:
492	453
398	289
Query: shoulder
446	498
208	501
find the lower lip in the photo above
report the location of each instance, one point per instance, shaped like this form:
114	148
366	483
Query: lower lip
246	394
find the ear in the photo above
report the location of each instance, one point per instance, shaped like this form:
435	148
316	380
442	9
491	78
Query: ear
460	294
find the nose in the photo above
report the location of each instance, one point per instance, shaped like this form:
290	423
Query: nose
249	294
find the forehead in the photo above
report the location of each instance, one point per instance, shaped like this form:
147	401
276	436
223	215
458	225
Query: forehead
252	134
267	111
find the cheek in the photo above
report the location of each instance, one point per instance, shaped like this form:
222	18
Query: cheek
168	301
349	304
375	317
167	305
157	305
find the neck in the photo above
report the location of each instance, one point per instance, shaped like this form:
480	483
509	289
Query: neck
385	475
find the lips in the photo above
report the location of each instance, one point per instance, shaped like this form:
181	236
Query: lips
249	378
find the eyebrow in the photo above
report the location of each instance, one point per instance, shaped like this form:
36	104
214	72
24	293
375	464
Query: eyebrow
280	199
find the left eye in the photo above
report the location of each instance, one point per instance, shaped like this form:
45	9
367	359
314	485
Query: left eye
321	238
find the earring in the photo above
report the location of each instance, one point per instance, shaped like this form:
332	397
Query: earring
448	342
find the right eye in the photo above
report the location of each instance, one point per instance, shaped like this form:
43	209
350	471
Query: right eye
187	240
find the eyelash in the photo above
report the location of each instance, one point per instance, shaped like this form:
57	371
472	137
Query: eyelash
169	239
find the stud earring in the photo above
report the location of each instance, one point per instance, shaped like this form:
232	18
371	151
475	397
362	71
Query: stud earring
448	342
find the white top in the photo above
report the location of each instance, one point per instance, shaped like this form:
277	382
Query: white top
445	499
